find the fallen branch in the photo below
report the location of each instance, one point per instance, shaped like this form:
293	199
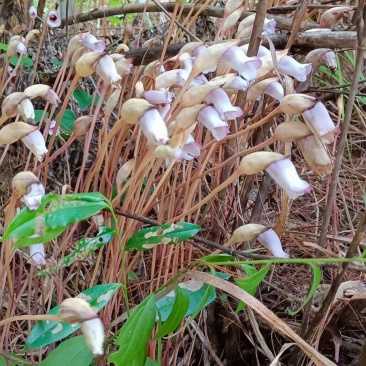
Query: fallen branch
213	11
342	39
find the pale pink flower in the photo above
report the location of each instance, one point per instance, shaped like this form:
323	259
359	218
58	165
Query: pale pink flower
36	144
158	96
37	256
239	83
269	27
93	43
210	118
271	241
154	127
32	11
222	104
191	150
52	127
289	66
106	69
262	51
275	90
34	196
53	19
319	121
239	61
93	332
20	48
283	172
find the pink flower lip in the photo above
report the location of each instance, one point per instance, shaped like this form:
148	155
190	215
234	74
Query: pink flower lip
158	96
222	104
37	255
283	172
210	118
271	241
93	43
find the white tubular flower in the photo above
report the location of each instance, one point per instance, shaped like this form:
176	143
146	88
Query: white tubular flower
26	110
37	256
36	144
163	96
53	19
93	331
237	60
289	66
271	241
32	12
285	175
154	127
34	196
222	104
210	118
106	69
93	43
319	121
275	90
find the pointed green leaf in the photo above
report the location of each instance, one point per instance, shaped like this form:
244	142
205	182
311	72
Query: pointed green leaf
67	121
151	362
180	307
73	351
251	283
164	234
55	212
46	332
134	334
217	258
84	99
84	247
38	113
317	277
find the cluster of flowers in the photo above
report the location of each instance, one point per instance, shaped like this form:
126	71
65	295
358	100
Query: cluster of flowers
181	96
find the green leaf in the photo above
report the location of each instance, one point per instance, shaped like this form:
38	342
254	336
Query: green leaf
38	115
132	276
26	61
151	362
3	46
251	283
46	332
84	247
317	277
84	99
14	360
180	307
199	294
134	334
54	213
67	121
115	20
73	351
163	234
60	63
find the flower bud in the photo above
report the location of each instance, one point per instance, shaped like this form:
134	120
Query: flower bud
26	110
258	161
297	103
76	310
15	47
187	117
22	181
15	131
247	232
197	94
122	49
86	64
31	35
82	125
231	6
124	172
112	101
133	109
44	91
331	17
10	105
324	56
292	131
232	19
